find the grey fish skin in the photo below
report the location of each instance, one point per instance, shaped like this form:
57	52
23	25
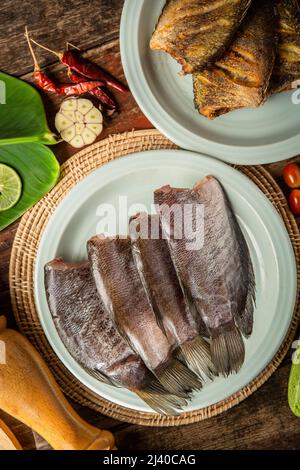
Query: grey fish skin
119	285
91	338
86	329
219	276
241	77
157	272
197	32
287	64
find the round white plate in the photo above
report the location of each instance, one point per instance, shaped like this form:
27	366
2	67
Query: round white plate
135	177
249	136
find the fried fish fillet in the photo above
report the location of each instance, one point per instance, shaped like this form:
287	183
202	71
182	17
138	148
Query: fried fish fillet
241	77
287	64
197	32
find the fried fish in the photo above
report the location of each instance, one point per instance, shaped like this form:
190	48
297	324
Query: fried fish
287	64
124	297
156	269
197	32
218	276
241	77
91	338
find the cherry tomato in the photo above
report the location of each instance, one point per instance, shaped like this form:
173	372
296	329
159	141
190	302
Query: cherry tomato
295	201
291	175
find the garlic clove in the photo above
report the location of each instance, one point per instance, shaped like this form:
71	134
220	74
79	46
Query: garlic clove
77	142
79	116
70	115
69	104
84	106
96	128
88	136
68	134
62	122
93	116
79	127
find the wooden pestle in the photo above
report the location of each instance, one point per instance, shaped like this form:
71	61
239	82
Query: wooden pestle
29	392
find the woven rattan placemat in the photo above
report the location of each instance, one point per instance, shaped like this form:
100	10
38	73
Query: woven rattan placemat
22	269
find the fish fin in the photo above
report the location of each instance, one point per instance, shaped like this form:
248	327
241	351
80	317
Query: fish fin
227	349
161	401
96	374
197	356
178	379
244	320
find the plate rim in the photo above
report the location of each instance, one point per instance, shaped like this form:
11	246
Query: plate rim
123	162
180	135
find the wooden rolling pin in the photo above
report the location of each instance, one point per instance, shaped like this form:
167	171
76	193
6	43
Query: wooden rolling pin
29	392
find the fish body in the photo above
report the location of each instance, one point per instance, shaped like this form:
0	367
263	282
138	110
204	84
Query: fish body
197	32
158	275
119	284
287	64
241	77
86	329
218	276
90	336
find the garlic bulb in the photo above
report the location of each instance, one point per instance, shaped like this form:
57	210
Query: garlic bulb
79	122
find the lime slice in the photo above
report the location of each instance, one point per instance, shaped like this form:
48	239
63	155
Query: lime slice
10	187
294	384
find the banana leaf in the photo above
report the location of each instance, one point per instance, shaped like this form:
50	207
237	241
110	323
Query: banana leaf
39	171
22	114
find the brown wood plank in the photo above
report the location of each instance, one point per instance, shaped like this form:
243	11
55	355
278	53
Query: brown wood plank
83	23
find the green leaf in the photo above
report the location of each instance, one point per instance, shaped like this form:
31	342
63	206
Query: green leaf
39	171
22	114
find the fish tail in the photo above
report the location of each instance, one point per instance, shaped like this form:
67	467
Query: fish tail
196	354
178	379
227	349
161	401
244	320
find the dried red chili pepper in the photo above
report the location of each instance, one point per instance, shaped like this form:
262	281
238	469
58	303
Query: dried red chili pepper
89	70
103	97
70	89
85	67
66	89
41	79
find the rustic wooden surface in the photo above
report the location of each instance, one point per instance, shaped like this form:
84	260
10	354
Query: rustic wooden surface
264	420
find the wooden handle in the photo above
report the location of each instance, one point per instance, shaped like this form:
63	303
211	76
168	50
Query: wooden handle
8	440
29	392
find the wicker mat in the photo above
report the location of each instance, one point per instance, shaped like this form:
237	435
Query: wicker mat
22	268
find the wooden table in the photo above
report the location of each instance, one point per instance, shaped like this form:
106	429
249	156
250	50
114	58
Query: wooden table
264	420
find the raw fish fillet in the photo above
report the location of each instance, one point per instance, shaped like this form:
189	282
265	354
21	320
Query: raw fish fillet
157	272
123	294
91	338
218	276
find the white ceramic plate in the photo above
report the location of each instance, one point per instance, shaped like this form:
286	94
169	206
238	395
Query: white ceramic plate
136	176
249	136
